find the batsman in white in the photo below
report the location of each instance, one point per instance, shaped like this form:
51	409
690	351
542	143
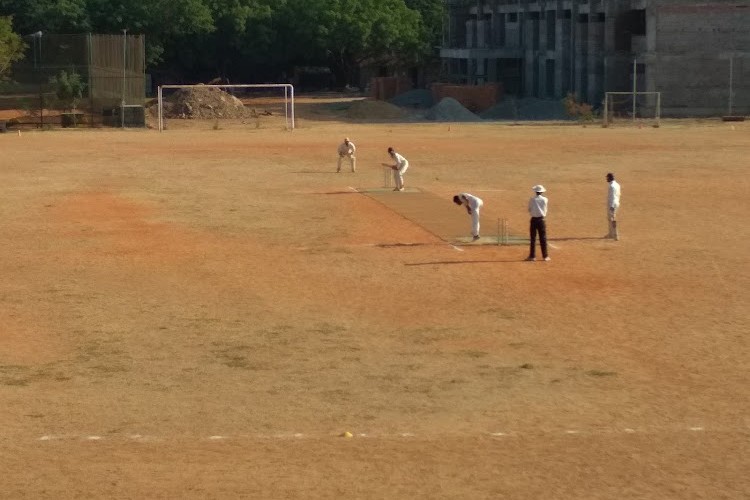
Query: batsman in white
399	168
346	150
473	204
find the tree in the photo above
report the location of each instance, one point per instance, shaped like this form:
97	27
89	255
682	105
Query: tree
49	16
433	14
11	46
346	34
68	88
162	21
69	91
240	40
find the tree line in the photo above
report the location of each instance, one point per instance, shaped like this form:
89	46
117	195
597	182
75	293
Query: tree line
248	40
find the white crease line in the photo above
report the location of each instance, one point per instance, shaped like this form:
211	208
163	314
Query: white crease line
456	248
353	189
299	435
554	246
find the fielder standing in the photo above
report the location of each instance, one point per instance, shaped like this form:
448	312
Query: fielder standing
401	166
346	150
538	224
473	204
613	203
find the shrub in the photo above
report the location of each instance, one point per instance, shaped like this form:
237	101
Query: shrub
578	110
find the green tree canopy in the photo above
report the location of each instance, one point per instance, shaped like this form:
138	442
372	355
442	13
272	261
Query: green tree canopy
250	39
11	46
348	33
433	14
162	21
48	16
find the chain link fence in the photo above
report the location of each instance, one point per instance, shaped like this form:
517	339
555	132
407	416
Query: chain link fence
82	80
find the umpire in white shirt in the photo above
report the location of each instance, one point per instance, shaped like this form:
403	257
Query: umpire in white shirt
613	203
538	212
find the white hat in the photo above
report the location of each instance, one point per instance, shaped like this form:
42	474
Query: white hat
538	189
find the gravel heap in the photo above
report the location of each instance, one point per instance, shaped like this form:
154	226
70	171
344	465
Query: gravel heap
450	110
204	103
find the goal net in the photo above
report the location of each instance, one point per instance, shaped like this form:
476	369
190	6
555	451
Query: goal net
627	108
225	106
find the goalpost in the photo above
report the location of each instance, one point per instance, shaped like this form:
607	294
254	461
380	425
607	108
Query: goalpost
634	107
247	93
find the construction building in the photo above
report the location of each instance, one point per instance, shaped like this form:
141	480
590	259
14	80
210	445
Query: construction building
696	53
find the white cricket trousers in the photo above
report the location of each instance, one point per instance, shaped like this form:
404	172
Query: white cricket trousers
398	175
352	162
475	219
612	219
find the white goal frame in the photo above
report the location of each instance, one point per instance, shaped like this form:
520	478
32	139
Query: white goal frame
608	112
288	97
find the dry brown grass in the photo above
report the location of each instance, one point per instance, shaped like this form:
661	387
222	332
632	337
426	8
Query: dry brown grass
160	289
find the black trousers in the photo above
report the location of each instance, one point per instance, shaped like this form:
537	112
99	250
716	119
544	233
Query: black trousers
538	225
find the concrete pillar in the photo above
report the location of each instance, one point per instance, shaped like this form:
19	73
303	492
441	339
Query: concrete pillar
559	51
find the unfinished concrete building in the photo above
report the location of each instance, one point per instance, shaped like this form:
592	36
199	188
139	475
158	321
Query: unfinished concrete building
696	53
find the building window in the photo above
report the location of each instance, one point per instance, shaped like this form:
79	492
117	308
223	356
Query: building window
551	30
550	77
639	22
513	17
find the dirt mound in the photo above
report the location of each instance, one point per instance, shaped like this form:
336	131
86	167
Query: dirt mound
374	110
450	110
204	103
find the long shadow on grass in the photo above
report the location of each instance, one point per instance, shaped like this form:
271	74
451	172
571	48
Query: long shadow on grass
577	238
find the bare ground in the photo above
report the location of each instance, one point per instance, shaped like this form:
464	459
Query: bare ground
201	313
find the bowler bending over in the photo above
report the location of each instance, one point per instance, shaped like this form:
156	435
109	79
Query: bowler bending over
473	204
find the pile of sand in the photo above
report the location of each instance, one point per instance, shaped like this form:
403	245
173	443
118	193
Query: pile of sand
204	103
450	110
374	110
417	98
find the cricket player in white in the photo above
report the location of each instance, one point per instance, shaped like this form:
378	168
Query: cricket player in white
401	166
346	150
613	203
473	204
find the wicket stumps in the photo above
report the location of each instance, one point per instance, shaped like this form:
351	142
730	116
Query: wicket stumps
387	177
502	231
